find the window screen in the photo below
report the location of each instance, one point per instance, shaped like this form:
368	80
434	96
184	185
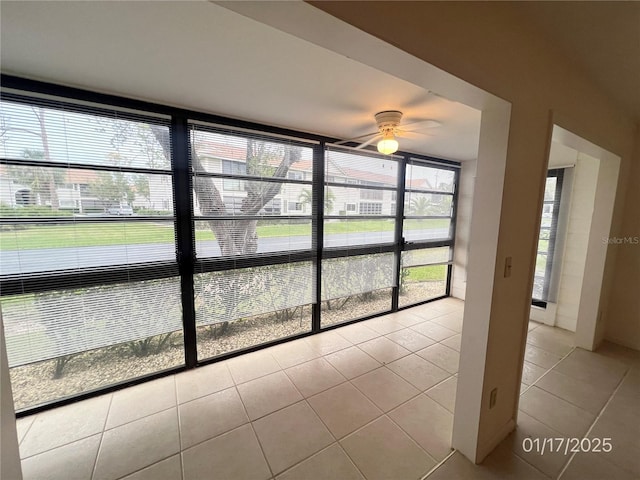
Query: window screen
244	187
423	274
428	202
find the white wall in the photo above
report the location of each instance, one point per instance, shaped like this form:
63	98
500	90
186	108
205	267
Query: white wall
574	256
10	468
463	228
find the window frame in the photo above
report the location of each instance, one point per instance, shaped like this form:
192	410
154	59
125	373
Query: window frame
186	265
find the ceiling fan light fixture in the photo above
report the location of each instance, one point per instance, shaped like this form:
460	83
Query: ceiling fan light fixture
388	145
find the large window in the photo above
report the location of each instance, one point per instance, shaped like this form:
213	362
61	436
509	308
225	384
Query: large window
138	239
90	293
547	239
238	308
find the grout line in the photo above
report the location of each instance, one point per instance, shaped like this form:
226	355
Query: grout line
594	422
255	434
541	376
439	464
28	428
95	462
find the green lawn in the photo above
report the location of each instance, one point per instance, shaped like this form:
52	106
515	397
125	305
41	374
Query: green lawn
426	273
122	233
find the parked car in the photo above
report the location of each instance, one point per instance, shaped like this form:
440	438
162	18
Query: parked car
120	210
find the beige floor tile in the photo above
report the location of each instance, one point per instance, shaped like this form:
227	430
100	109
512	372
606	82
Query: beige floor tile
550	463
434	331
593	368
343	409
540	357
503	463
531	373
625	441
426	311
291	435
453	342
293	353
352	362
452	321
585	395
267	394
23	425
357	333
555	412
141	400
383	350
428	423
203	381
234	455
65	425
251	366
590	466
210	416
445	393
408	318
624	409
135	445
167	469
329	464
410	339
384	388
70	462
444	357
418	372
382	451
384	324
533	325
314	376
547	341
327	342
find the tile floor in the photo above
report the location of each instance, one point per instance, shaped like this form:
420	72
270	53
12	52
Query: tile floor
372	400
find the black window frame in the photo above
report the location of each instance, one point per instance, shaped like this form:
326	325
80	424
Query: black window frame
558	173
186	264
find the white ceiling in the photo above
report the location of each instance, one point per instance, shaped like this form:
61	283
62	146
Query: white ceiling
201	56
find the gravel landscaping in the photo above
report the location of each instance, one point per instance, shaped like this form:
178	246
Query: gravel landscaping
34	384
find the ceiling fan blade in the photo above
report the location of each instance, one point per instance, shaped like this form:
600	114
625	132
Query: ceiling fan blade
410	134
426	123
348	140
368	142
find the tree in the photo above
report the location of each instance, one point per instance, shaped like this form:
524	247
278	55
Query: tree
238	236
112	188
419	206
306	198
38	179
141	184
47	175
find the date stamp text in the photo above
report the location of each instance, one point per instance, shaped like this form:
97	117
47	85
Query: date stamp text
566	446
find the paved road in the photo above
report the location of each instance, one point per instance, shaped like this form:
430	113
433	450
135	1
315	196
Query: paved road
46	259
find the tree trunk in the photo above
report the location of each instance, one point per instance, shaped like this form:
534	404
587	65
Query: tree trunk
236	236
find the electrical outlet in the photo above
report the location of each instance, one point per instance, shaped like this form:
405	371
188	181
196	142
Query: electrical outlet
493	397
507	267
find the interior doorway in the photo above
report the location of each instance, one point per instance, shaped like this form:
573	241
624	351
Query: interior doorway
574	234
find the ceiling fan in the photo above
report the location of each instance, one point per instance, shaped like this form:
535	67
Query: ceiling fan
389	128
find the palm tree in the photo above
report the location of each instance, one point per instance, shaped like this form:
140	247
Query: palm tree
306	198
419	206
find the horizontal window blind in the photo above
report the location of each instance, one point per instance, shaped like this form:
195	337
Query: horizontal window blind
360	168
241	181
427	229
422	177
426	256
346	276
230	295
47	325
428	204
